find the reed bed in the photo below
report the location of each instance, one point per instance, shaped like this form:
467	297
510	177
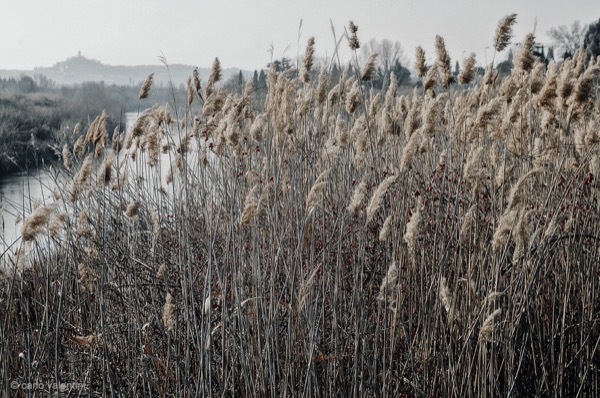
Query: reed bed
333	241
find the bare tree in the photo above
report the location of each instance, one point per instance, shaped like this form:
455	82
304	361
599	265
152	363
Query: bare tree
568	39
389	52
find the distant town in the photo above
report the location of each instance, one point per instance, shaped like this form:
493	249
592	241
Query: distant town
79	69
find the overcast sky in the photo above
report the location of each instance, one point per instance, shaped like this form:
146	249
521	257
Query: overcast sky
240	32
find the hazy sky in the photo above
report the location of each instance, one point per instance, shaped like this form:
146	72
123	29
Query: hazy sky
240	32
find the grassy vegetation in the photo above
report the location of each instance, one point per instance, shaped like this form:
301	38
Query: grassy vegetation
35	119
337	241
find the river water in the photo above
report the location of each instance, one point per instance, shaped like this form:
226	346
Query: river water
21	191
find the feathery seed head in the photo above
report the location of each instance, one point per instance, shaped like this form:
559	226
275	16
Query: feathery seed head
524	59
132	209
467	73
168	315
35	222
446	298
420	66
146	86
357	197
315	195
388	283
353	39
443	62
488	327
385	229
516	193
322	86
369	68
81	177
504	32
308	59
215	76
353	98
412	228
190	91
377	198
67	157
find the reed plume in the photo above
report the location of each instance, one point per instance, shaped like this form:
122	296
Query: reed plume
431	115
420	66
524	59
369	68
472	170
215	76
488	113
353	98
132	209
116	141
516	197
413	118
162	271
258	127
489	326
322	86
316	192
35	222
308	59
250	204
79	146
586	86
410	150
97	133
155	221
357	197
467	73
146	86
547	95
353	39
443	62
81	177
190	91
502	232
377	198
196	81
446	298
168	314
105	171
430	80
388	283
412	228
504	32
385	229
67	157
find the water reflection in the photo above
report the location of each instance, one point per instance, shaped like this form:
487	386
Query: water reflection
19	192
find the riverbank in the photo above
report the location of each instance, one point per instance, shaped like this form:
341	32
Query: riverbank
21	191
34	126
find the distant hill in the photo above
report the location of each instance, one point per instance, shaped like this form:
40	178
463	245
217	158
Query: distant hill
79	69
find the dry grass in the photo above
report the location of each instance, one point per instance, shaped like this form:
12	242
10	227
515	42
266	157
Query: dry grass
248	260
